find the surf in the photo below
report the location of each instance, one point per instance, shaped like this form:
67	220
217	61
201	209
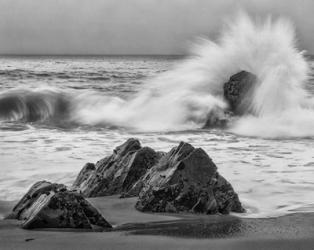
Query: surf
33	106
189	94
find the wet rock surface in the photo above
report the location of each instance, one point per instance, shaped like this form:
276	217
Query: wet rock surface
86	171
117	173
51	205
183	180
238	90
186	180
39	188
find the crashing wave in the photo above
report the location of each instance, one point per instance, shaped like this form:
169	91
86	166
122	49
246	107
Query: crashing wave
33	106
192	93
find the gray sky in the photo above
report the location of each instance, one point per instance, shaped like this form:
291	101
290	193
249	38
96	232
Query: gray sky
130	26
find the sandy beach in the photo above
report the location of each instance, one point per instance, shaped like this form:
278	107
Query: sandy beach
136	230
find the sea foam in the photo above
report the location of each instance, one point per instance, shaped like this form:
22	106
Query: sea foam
184	96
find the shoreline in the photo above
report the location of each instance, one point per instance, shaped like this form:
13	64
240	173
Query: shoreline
137	230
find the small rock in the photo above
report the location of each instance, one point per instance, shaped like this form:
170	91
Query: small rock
29	239
217	118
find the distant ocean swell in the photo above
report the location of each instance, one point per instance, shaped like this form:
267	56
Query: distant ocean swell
102	75
183	97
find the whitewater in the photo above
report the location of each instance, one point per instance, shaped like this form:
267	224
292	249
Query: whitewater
57	113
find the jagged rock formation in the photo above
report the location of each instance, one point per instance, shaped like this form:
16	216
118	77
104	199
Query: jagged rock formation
51	205
86	171
238	91
183	180
39	188
186	180
117	173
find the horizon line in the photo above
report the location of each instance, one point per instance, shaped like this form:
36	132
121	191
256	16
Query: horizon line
96	55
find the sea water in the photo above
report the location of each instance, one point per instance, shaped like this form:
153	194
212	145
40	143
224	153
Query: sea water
57	113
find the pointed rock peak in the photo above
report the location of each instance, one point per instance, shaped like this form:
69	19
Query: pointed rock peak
89	166
51	205
32	194
175	155
117	173
184	148
199	165
186	180
84	174
129	146
63	210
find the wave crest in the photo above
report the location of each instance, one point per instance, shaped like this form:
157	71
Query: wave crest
184	97
34	106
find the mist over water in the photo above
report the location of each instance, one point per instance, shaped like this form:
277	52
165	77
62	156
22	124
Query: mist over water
57	113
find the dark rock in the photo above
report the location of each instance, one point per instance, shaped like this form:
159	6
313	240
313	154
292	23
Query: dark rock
186	180
238	91
51	205
117	173
86	171
217	118
39	188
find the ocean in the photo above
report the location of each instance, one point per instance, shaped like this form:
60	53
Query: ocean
59	112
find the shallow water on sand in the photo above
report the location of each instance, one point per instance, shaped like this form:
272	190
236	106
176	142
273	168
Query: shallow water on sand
272	176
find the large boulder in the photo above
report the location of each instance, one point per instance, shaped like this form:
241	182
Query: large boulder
51	205
39	188
186	180
117	173
238	91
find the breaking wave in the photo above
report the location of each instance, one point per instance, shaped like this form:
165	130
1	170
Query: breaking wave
33	106
185	96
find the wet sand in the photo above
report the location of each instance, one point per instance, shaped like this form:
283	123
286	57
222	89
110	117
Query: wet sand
136	230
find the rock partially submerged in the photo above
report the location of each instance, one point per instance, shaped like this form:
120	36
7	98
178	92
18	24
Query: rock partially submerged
186	180
117	173
238	91
217	118
51	205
